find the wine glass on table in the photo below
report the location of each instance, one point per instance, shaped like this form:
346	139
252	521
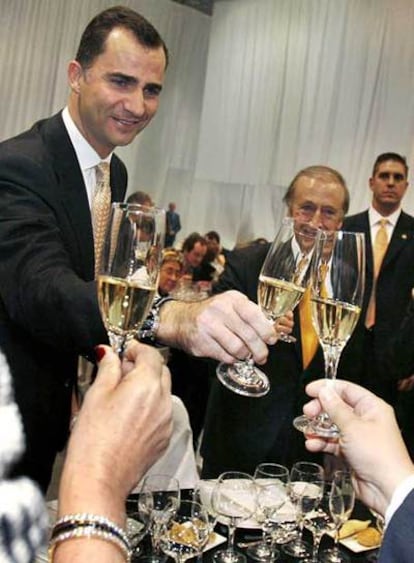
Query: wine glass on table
158	501
272	493
306	489
186	533
319	523
282	283
337	287
341	505
380	525
129	269
234	500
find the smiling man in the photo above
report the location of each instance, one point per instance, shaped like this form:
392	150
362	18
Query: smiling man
389	245
48	180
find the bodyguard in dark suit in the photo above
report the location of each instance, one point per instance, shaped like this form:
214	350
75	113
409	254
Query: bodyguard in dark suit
364	357
241	432
48	304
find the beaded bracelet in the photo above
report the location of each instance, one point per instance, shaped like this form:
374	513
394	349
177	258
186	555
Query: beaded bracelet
88	525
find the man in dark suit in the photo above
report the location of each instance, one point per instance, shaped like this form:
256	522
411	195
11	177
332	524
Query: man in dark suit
48	304
388	281
371	444
241	432
173	225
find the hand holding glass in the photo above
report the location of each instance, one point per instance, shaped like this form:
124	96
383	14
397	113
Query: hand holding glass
337	290
129	270
282	283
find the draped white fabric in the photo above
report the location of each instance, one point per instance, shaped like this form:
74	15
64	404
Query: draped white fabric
252	94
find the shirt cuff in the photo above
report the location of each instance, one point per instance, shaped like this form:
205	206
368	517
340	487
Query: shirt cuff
398	497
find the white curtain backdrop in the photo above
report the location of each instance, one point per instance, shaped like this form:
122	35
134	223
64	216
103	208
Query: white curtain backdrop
254	93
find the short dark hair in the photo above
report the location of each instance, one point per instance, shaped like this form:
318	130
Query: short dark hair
192	240
212	235
390	156
93	39
141	198
320	172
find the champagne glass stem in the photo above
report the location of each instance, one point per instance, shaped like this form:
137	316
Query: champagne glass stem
332	357
232	532
118	343
315	549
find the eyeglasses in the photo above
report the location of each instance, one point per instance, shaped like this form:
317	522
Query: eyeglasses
308	211
386	176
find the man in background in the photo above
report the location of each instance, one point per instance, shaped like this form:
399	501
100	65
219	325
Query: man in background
389	245
241	432
173	225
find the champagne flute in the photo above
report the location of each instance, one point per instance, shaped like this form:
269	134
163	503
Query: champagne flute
319	523
158	501
341	505
282	283
186	533
271	480
234	500
129	269
380	525
337	289
202	493
306	488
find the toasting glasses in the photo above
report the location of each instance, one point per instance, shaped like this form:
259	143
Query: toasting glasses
337	289
128	274
282	283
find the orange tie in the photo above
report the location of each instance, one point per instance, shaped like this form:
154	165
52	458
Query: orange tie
379	250
101	207
309	338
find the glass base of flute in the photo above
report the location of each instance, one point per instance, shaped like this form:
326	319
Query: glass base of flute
244	378
321	426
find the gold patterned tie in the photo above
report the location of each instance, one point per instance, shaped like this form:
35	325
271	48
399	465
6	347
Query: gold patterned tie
101	207
379	250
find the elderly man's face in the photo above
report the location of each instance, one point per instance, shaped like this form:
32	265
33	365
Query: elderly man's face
318	204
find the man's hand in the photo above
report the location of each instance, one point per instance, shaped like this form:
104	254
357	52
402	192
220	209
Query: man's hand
226	327
370	439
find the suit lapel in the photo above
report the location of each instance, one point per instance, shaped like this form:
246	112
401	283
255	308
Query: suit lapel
403	233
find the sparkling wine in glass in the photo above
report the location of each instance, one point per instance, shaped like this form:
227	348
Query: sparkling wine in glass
186	533
129	269
234	500
272	494
306	489
341	505
337	289
282	283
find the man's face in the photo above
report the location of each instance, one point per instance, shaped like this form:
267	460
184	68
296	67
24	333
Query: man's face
388	186
117	96
170	273
195	256
213	248
319	204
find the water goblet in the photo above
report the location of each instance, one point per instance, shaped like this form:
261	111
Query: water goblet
158	500
282	283
306	488
185	534
234	500
341	505
337	290
271	480
129	269
319	523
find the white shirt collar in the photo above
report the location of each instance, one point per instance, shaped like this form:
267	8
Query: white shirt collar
87	156
375	217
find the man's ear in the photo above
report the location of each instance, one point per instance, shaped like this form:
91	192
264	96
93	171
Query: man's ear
75	72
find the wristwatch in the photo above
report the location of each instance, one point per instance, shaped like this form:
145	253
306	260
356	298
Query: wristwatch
150	326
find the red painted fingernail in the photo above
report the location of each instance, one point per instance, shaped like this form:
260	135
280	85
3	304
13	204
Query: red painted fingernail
99	353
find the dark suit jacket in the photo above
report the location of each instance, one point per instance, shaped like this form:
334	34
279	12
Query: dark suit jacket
394	284
48	305
398	543
241	432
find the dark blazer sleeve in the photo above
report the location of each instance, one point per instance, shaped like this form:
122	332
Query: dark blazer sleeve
398	542
46	246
